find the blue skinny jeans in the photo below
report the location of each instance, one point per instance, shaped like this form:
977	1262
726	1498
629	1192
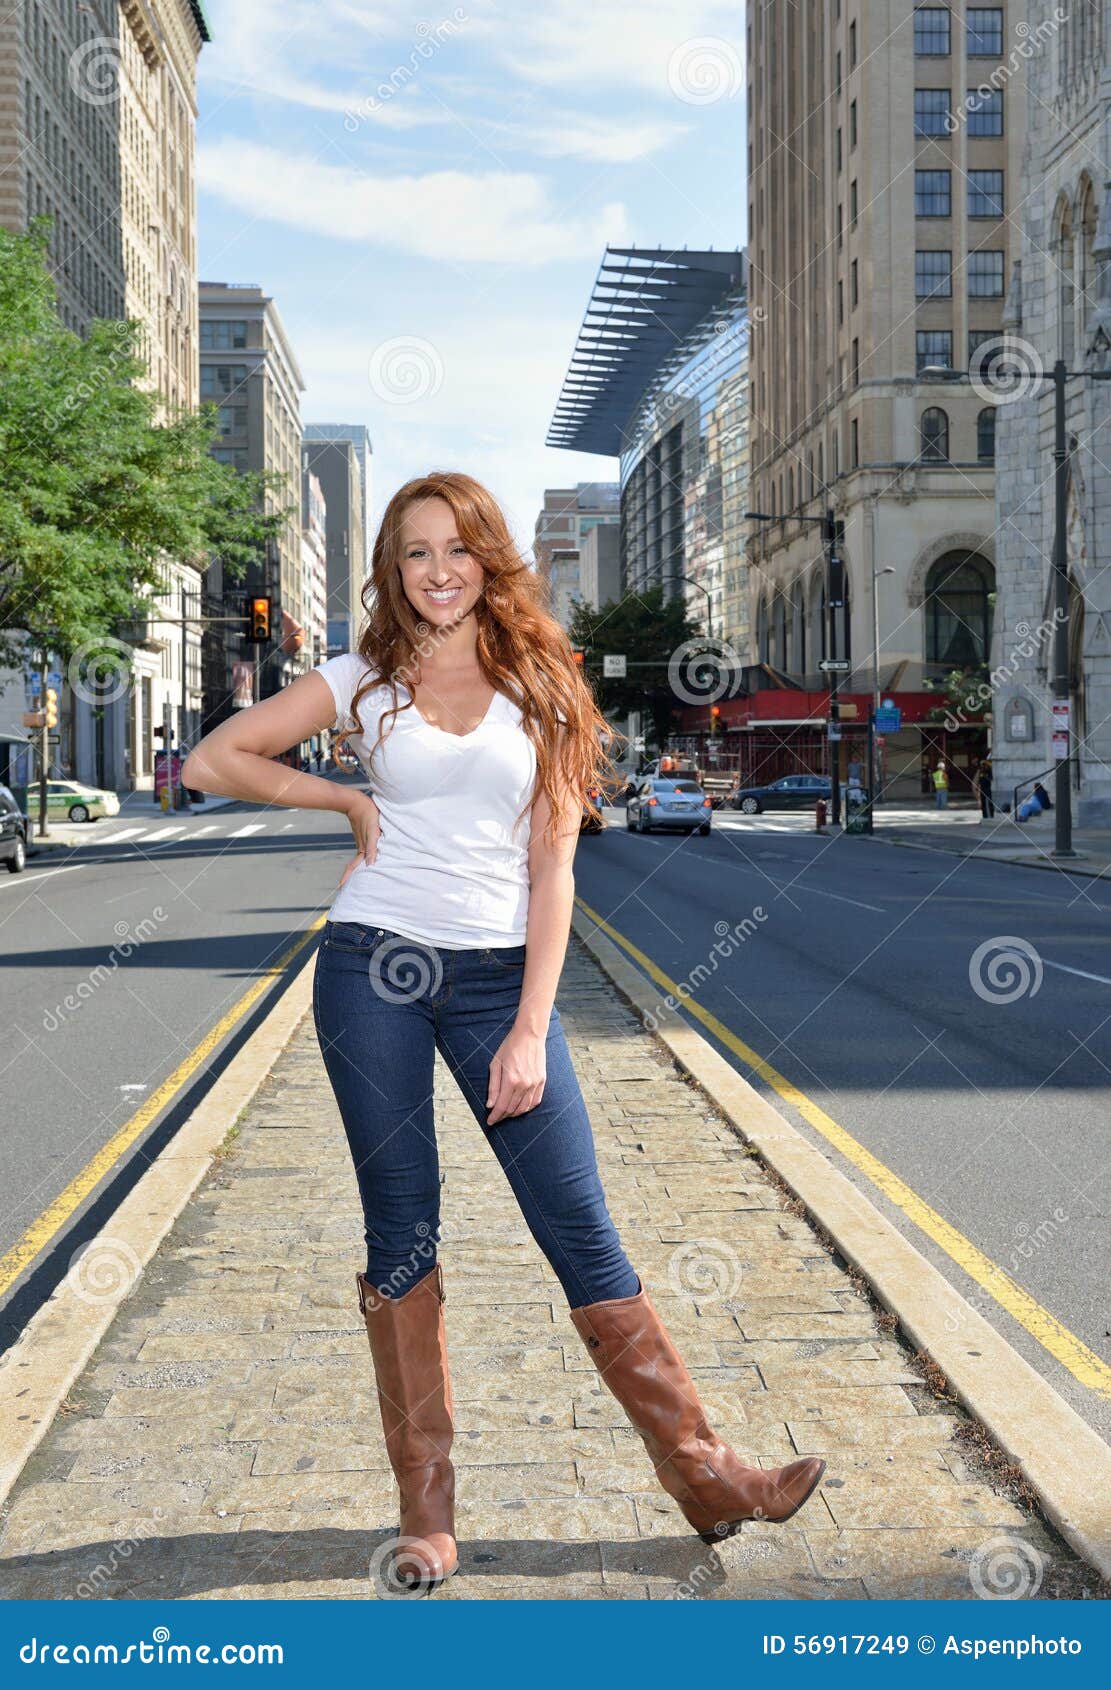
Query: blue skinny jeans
383	1006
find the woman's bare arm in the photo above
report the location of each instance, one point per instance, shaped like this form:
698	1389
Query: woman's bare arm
518	1072
237	759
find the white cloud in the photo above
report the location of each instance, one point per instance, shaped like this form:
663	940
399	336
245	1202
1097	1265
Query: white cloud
448	215
595	140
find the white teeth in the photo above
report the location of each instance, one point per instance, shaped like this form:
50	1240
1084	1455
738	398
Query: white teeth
443	594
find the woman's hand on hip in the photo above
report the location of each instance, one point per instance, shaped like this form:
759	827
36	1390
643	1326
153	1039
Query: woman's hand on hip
517	1075
362	813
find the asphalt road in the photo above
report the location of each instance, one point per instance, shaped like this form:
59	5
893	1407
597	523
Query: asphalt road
116	961
985	1085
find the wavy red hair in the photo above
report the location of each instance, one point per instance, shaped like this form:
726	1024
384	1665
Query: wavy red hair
522	650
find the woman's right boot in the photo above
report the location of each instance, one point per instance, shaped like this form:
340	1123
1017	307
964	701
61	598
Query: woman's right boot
408	1344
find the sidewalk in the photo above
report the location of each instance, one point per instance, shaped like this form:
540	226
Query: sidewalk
224	1439
1000	840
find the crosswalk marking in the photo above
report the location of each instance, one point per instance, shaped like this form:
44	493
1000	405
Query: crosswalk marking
252	827
163	833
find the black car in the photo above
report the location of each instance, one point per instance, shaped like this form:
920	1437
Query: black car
793	792
13	833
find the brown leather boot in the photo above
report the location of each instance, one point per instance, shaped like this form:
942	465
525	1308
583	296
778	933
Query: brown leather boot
646	1373
409	1347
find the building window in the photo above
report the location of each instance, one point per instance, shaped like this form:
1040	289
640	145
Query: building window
220	336
931	31
856	363
985	275
840	301
985	193
933	348
934	433
978	366
985	435
232	419
931	111
853	209
837	148
933	275
855	296
958	628
985	111
933	193
840	230
984	32
854	436
220	379
235	456
852	44
852	125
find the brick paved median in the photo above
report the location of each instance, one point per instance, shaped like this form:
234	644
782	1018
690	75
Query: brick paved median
224	1440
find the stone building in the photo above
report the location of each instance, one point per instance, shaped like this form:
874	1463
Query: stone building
1058	307
884	144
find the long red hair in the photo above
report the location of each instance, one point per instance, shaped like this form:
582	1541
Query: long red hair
522	650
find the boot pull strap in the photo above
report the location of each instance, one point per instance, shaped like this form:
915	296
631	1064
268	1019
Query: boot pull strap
441	1293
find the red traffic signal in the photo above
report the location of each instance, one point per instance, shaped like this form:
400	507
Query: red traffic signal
260	619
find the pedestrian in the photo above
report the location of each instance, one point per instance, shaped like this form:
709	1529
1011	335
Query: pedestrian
318	758
941	785
983	788
1038	801
448	932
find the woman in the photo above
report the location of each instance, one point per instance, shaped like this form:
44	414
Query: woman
478	735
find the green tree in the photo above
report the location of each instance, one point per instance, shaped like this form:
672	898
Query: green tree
94	491
661	644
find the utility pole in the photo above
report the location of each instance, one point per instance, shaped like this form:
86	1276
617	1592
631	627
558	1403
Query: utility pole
1062	727
835	601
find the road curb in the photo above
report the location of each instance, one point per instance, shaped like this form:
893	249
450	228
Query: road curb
41	1367
1042	863
1065	1462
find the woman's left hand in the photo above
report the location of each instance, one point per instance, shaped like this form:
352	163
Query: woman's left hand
517	1075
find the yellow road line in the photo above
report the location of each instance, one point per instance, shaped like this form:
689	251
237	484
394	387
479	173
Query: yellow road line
1062	1344
43	1231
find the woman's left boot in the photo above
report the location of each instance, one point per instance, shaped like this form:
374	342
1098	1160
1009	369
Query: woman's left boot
715	1490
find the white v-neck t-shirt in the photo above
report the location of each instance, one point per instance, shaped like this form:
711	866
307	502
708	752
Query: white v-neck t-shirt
452	866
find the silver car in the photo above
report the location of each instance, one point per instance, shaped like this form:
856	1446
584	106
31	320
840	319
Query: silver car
673	803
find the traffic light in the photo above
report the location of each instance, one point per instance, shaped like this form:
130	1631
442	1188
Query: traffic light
715	718
51	707
578	656
260	620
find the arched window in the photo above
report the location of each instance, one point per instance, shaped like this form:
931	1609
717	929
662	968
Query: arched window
985	435
821	464
797	661
762	630
790	505
779	632
958	610
935	435
1086	223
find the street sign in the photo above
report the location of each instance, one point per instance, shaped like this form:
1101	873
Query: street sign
1059	744
888	719
613	666
835	665
834	732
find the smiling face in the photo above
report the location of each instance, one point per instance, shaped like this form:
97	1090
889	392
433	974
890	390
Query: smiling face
442	581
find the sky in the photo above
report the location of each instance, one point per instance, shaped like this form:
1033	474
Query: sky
428	194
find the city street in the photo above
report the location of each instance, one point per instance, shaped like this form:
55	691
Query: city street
855	983
125	966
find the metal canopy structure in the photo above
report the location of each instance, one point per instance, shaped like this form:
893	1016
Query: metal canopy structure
645	304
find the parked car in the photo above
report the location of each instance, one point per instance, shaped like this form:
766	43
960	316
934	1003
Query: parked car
668	802
793	792
13	833
591	823
70	800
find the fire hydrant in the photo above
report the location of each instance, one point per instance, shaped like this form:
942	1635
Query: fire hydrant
820	816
